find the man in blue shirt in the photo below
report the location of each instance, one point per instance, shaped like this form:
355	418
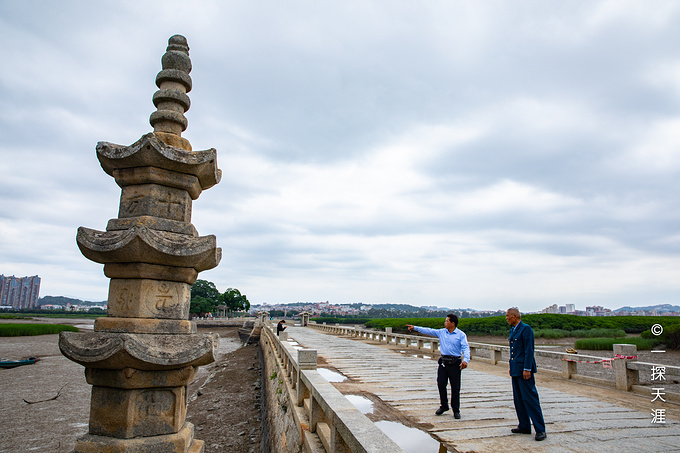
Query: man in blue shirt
522	369
455	355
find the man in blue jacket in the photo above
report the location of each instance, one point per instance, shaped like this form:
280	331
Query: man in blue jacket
522	369
455	355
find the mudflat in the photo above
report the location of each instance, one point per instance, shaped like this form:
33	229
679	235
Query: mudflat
45	407
49	424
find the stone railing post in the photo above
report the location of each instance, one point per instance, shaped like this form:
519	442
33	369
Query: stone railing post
337	443
625	378
306	361
569	369
496	356
315	413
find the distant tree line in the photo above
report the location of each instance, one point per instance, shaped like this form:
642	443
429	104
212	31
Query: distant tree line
411	312
205	297
63	300
497	325
282	313
335	319
417	312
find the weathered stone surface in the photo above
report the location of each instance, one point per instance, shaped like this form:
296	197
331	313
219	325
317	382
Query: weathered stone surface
144	325
173	140
174	81
155	223
151	271
144	245
171	99
625	378
174	78
131	378
140	351
127	413
284	434
144	298
307	359
150	151
155	200
180	442
152	175
177	55
197	446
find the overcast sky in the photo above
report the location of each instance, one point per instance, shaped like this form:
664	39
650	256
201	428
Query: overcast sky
450	153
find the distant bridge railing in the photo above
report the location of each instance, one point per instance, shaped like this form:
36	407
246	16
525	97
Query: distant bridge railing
326	419
626	368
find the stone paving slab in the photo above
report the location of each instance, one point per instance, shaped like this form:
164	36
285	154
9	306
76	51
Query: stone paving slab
574	423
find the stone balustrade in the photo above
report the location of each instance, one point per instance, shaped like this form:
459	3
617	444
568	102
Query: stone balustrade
627	371
416	341
324	420
223	322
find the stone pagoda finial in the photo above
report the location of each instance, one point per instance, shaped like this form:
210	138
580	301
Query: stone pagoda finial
141	356
171	99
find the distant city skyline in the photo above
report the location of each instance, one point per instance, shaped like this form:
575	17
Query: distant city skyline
440	153
568	308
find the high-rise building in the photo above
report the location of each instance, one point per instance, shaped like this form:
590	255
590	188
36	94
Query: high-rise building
19	292
551	309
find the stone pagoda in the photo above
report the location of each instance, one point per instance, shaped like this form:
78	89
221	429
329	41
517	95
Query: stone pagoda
140	358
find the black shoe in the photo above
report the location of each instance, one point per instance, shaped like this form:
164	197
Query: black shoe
441	410
523	431
540	436
456	415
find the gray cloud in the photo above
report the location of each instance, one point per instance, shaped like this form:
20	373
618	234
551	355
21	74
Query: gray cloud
442	154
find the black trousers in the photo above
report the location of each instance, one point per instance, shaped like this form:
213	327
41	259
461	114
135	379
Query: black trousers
449	373
527	405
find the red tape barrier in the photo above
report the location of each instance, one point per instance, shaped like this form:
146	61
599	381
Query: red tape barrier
617	356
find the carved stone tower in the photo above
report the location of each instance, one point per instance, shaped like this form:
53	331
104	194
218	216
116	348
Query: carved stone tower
140	358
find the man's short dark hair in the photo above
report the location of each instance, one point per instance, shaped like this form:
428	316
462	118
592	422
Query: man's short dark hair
453	318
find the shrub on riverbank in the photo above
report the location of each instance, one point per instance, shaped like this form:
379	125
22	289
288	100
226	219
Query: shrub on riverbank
581	333
21	330
670	336
607	344
52	314
346	321
498	326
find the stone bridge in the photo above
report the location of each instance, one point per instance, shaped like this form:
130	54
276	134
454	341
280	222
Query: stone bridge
398	375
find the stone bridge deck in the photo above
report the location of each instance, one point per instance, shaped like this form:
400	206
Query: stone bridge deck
574	423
